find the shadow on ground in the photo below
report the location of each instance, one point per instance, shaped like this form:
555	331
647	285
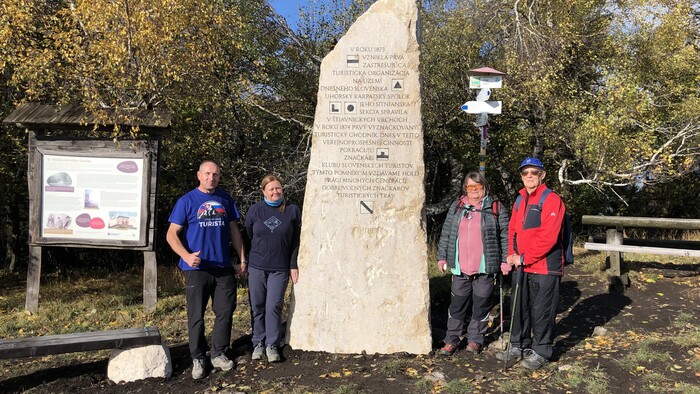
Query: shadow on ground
584	315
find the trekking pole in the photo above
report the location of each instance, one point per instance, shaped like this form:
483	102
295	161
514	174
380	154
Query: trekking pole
501	304
512	317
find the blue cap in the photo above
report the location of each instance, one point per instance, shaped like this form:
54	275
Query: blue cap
531	161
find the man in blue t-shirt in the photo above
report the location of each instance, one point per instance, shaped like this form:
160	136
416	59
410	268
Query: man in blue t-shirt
209	217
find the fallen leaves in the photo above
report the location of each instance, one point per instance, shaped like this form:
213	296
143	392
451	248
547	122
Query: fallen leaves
412	372
344	373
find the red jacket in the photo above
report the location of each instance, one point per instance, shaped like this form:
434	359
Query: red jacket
538	239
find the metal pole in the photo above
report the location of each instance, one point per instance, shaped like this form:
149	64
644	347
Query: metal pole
482	151
519	280
501	302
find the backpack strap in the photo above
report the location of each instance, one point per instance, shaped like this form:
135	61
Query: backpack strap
495	208
545	193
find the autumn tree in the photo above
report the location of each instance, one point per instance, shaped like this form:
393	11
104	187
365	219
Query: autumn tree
605	92
202	61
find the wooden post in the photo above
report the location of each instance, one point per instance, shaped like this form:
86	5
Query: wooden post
33	279
614	237
150	281
616	273
482	150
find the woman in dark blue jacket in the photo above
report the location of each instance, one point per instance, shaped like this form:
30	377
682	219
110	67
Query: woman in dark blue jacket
273	226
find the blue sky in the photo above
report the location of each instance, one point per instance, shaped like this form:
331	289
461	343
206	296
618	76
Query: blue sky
289	9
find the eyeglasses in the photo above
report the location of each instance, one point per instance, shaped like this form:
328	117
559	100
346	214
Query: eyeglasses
472	188
533	172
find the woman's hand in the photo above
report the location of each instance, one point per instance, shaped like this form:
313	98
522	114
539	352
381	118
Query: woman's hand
506	268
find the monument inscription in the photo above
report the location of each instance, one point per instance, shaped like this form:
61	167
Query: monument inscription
368	115
363	259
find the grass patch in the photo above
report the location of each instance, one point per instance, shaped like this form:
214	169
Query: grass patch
515	385
427	386
590	262
460	386
656	382
85	302
394	366
688	338
694	364
683	320
582	378
687	388
348	389
644	356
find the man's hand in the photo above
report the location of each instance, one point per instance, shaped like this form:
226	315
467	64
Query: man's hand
294	274
514	260
192	259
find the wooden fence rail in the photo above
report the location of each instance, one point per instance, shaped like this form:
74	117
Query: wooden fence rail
615	243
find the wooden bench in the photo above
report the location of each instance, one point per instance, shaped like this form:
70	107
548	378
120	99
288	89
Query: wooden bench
78	342
615	243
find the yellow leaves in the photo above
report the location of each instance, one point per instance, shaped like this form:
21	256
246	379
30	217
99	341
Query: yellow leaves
344	373
116	53
412	372
604	342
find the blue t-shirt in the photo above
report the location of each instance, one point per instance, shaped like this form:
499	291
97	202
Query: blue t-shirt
274	236
206	219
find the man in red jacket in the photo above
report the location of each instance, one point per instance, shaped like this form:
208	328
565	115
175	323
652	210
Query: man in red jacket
535	250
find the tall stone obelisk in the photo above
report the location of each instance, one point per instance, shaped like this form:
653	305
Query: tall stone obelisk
363	266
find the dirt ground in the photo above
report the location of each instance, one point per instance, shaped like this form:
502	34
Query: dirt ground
646	310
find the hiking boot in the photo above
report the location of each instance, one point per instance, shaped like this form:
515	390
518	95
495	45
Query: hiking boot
258	352
448	350
198	370
273	355
532	360
515	353
222	362
473	347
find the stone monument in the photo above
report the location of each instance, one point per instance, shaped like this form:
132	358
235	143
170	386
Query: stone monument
363	265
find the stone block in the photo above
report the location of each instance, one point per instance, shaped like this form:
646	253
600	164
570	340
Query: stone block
128	365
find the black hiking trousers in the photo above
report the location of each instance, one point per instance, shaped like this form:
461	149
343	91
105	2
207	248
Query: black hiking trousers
535	312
